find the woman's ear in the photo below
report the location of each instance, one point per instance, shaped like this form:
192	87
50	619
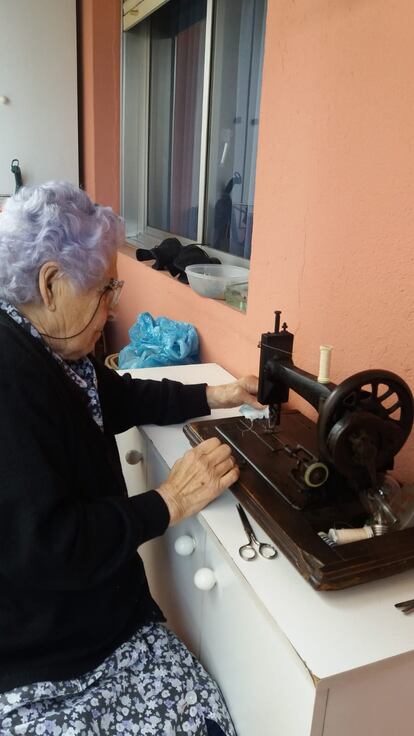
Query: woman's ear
48	277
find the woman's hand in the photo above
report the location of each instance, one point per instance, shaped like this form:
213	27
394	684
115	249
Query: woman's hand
243	391
197	478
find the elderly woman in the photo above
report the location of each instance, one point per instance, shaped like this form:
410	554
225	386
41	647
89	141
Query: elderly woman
82	645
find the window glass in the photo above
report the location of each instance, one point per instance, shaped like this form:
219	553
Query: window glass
177	43
192	79
234	118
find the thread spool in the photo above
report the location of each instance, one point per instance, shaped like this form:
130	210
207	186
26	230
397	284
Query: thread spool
324	363
345	536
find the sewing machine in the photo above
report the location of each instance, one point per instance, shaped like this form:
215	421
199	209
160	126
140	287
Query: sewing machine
299	479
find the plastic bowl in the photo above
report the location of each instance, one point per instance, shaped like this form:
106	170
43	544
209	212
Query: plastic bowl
212	280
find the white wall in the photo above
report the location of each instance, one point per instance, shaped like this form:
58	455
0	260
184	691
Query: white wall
38	74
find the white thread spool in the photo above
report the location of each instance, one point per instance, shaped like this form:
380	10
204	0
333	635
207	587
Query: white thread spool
345	536
324	363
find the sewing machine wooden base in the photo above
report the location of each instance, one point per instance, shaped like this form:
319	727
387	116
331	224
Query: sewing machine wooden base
292	517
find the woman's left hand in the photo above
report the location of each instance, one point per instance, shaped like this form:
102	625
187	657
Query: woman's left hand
243	391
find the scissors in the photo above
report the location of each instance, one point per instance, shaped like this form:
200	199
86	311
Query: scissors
248	551
405	606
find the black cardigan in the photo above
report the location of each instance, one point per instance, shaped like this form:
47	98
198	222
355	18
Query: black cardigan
72	585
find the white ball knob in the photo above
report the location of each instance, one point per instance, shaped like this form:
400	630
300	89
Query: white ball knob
204	579
184	545
3	100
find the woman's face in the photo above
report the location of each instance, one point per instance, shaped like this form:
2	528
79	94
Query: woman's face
79	318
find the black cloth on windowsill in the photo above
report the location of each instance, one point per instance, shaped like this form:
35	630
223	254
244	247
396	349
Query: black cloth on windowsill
163	254
72	585
174	257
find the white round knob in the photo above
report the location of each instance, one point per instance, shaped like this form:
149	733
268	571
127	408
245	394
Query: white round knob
184	545
3	100
204	579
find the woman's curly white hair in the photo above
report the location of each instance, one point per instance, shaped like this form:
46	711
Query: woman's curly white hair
58	222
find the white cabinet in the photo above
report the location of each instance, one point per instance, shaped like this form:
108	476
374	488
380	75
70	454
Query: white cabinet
371	700
260	675
132	448
170	575
171	581
267	687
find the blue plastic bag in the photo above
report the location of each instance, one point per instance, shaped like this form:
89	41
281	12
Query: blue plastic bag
160	341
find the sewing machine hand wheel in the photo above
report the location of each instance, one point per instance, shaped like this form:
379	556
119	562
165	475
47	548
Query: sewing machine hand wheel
364	422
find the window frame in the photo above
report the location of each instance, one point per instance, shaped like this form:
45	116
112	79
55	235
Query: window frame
139	74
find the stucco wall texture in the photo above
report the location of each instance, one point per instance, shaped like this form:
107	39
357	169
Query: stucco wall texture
334	218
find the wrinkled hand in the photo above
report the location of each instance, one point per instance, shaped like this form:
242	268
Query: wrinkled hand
243	391
197	478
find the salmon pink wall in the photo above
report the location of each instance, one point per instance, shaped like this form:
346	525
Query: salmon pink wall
99	42
334	218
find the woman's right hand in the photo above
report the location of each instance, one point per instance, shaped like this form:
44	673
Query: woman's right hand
197	478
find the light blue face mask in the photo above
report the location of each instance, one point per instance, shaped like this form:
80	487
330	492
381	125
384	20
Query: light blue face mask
249	412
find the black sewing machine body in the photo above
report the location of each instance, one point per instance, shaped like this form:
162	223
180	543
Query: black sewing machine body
282	457
300	477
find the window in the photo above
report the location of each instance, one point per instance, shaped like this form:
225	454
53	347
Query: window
192	79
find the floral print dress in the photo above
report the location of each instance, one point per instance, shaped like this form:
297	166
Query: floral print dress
150	686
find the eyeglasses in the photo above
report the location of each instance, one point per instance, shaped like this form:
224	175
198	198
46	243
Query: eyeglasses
113	290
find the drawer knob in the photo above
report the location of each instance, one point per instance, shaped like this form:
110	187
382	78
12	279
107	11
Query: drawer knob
184	545
133	457
204	579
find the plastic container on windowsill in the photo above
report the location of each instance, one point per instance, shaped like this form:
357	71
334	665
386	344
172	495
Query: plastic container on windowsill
236	295
212	280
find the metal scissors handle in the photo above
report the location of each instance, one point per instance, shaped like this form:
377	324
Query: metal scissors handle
248	551
405	606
